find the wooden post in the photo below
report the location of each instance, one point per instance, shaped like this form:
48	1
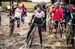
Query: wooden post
69	1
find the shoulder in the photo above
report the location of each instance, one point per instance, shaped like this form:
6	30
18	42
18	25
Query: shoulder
35	11
42	12
60	8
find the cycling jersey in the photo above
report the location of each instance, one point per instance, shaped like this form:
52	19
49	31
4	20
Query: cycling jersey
58	13
43	8
67	16
38	15
18	12
64	11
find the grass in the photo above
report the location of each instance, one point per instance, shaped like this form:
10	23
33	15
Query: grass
27	4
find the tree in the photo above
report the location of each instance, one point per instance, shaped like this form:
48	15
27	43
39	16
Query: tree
0	3
52	1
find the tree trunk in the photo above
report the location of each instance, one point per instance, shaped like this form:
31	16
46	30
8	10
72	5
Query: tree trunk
0	3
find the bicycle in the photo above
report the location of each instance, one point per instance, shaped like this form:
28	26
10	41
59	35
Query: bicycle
59	28
70	34
51	25
31	37
11	25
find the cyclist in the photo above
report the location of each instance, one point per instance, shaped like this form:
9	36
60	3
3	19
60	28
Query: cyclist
70	34
57	13
44	8
64	12
73	22
17	14
38	16
67	16
50	15
23	13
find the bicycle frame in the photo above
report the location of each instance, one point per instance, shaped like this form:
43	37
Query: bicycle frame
59	28
31	37
11	26
70	35
51	25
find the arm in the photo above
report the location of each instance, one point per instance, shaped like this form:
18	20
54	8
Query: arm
31	19
33	16
62	14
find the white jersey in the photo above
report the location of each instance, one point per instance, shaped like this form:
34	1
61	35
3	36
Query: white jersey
8	7
39	15
18	12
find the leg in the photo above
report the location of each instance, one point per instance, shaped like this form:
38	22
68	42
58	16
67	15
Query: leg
40	34
22	19
44	26
31	28
18	22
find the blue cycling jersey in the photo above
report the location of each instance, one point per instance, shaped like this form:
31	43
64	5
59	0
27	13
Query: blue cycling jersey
64	10
67	16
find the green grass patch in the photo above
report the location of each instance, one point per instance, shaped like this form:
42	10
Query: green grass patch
27	4
31	4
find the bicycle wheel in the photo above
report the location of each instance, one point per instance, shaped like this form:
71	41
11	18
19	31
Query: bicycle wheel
50	29
18	23
51	26
69	39
59	29
11	27
30	39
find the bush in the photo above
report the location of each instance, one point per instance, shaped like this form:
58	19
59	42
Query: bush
4	5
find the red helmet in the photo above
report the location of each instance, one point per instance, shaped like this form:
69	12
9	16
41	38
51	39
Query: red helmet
69	7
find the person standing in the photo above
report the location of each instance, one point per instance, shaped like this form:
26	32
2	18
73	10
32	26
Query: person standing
38	15
24	10
44	8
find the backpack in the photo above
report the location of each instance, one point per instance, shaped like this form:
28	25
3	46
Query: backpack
25	12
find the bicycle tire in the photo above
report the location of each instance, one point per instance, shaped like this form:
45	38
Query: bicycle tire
11	27
59	30
70	40
51	26
30	39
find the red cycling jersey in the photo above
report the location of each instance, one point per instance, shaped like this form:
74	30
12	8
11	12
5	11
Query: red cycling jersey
58	13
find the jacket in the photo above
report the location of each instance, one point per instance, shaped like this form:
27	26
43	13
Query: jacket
58	13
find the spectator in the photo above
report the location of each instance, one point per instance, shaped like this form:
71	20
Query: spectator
24	12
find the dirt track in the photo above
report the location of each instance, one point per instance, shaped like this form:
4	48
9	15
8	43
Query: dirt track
17	41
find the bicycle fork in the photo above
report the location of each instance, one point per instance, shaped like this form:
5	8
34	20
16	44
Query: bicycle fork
59	29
